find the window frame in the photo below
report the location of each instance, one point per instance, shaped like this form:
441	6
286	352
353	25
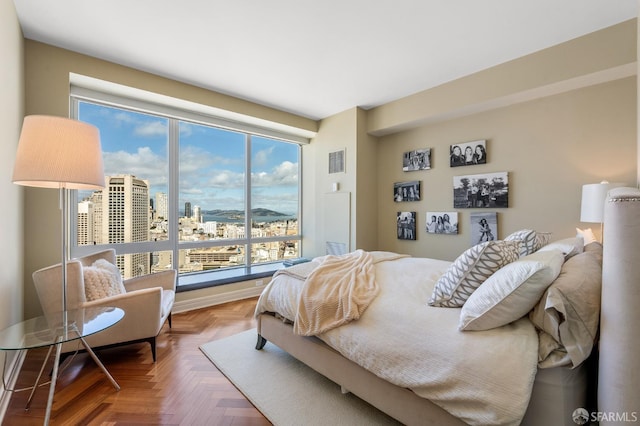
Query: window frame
174	115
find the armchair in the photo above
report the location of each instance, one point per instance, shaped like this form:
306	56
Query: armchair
146	302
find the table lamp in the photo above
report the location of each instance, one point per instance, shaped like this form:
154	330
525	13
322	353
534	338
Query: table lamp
593	197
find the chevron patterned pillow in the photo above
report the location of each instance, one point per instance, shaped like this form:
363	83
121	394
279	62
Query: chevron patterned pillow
542	239
470	270
530	240
527	239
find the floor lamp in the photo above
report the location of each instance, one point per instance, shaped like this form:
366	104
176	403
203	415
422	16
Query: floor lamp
56	152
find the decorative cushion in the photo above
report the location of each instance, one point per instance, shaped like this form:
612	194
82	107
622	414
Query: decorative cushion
568	246
530	240
102	279
527	239
511	292
587	235
542	239
470	270
569	310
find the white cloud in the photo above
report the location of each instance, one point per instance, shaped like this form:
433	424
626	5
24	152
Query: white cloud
261	157
144	164
284	174
153	128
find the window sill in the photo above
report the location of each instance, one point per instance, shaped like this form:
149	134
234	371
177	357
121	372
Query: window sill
207	279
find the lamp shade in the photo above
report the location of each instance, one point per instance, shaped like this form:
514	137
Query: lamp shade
593	197
56	152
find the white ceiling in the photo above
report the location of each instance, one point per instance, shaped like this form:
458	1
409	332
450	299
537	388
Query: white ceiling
314	58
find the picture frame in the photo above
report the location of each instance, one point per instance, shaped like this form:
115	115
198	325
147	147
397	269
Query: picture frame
488	190
484	227
418	159
406	225
468	153
442	222
406	191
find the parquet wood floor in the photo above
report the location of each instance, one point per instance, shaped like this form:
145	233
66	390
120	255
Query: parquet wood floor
182	388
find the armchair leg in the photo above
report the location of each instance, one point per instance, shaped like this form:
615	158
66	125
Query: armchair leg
152	342
169	319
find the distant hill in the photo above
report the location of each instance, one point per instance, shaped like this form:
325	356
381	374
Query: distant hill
239	213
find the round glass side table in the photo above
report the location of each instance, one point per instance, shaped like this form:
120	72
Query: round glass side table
54	330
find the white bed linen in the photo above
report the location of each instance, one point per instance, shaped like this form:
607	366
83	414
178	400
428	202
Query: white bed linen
481	377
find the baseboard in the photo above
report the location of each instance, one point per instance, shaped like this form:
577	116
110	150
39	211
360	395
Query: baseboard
11	380
215	299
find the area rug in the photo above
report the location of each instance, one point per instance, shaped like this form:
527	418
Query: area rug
286	391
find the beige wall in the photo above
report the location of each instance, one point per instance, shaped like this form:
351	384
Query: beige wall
550	147
335	133
366	214
545	117
346	130
11	112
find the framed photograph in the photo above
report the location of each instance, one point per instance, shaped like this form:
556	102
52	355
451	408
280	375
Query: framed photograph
406	225
484	227
442	222
468	153
406	191
489	190
419	159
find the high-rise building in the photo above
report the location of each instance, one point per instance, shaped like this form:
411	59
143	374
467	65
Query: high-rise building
162	205
96	217
187	209
197	214
85	222
125	219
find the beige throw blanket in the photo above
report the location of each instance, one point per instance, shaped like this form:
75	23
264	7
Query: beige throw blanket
338	290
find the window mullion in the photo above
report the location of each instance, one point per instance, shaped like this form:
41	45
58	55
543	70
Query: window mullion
174	188
248	219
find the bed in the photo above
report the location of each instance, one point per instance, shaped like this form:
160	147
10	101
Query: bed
502	335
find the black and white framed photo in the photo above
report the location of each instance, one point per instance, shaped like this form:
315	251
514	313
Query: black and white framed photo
489	190
419	159
468	153
484	227
406	191
442	222
406	225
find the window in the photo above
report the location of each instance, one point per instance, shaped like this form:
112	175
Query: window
184	192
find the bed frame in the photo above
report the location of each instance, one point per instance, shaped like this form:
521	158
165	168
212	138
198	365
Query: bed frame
557	392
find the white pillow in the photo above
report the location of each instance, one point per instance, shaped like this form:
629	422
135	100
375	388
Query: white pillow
511	292
470	270
587	235
568	246
102	279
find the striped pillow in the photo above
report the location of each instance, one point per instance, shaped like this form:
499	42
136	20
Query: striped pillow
470	270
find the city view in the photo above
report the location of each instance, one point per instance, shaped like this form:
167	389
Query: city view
212	174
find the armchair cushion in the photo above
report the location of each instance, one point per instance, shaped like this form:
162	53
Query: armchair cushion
102	279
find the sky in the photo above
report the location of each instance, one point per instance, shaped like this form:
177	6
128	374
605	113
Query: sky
212	160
